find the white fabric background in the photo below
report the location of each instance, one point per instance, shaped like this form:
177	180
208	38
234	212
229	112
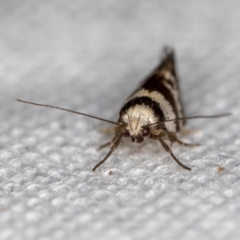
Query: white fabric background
89	56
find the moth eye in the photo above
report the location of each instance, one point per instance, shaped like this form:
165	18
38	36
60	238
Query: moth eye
127	133
145	132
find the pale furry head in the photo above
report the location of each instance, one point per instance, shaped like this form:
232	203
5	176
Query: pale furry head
136	118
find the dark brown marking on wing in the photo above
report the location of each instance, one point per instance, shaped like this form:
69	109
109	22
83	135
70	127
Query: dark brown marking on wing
157	81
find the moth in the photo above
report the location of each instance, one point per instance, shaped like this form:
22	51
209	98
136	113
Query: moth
155	110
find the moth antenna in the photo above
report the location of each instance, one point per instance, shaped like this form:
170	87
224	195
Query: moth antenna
193	117
67	110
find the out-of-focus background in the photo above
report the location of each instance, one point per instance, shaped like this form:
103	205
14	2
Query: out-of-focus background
89	56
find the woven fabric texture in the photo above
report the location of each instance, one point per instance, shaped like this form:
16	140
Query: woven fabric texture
89	56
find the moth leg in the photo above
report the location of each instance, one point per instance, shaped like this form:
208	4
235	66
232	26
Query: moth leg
108	130
187	144
173	138
113	148
107	143
167	149
187	131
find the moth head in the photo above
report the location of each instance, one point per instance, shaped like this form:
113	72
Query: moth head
136	128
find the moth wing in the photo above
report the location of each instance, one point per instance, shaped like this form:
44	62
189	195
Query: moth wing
165	74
